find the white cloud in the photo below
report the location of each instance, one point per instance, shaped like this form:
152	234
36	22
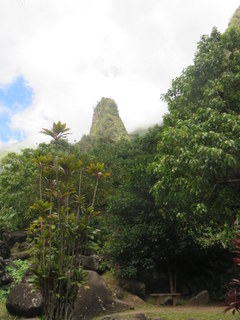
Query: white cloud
72	53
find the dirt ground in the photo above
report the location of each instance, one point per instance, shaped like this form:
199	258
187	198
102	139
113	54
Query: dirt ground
189	309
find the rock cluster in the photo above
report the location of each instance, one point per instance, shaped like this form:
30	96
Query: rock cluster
21	301
9	239
96	298
137	316
93	299
202	298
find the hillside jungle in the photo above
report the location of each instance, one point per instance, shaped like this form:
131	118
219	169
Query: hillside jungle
161	208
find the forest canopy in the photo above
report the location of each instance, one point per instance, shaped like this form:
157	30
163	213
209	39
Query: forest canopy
171	202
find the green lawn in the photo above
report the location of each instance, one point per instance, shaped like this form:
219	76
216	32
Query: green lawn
179	313
3	312
164	313
192	315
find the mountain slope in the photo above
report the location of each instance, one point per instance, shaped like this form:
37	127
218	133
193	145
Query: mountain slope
235	20
107	126
106	122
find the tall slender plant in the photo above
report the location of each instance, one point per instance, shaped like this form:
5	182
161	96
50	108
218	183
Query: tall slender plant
62	228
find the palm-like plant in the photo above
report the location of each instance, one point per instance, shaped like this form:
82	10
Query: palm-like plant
62	229
57	132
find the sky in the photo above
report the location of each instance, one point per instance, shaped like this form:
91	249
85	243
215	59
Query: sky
58	58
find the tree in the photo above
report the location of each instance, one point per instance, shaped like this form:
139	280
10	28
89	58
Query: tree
197	167
144	236
18	188
58	131
197	164
19	179
131	211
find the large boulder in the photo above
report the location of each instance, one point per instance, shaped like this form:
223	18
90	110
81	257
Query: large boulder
14	236
4	250
95	298
5	278
138	316
133	286
20	251
89	262
200	299
23	301
2	266
133	300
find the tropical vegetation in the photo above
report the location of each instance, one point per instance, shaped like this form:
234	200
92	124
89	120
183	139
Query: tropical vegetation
170	204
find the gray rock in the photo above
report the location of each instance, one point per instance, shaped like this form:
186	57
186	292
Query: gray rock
20	251
95	299
113	318
20	255
140	316
168	301
117	292
133	300
200	299
22	301
89	262
2	262
4	250
133	286
14	236
6	279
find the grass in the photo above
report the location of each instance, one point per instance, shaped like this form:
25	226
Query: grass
178	313
4	315
193	315
162	312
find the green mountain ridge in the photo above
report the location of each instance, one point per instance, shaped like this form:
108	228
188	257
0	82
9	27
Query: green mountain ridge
107	126
106	122
235	20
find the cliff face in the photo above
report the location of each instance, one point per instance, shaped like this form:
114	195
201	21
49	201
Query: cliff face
106	123
107	126
235	20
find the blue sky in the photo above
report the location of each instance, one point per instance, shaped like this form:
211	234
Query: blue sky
14	98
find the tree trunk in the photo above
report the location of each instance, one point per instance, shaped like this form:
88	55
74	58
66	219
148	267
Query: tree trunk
172	278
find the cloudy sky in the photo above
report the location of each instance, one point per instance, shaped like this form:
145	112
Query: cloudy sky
58	58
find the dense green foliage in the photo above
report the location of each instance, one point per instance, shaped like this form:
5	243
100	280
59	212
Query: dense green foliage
172	201
198	155
144	241
193	175
17	189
